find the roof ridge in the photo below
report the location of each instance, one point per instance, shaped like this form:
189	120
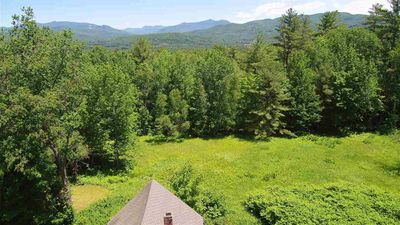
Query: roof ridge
147	200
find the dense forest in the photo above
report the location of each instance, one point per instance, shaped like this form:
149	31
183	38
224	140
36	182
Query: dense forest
64	106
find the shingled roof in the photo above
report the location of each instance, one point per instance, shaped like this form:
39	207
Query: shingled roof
151	206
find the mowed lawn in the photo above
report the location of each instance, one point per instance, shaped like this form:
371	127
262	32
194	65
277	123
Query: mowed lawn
235	168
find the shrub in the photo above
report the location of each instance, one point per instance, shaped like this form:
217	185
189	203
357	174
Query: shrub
333	204
187	187
211	205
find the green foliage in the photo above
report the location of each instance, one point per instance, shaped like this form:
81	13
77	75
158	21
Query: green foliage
61	104
232	34
29	185
264	93
220	78
178	111
171	115
102	211
386	23
305	105
329	21
41	113
211	206
352	78
325	141
236	167
198	109
186	187
111	114
141	51
338	203
289	35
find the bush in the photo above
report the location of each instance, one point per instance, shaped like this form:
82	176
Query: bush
333	204
211	205
187	187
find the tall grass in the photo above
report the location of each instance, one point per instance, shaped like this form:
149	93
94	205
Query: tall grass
237	167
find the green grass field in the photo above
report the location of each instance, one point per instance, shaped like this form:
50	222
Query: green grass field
237	168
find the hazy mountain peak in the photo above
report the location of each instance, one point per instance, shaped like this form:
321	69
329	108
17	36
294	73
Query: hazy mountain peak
193	26
179	28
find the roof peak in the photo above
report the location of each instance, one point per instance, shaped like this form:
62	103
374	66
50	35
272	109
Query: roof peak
151	205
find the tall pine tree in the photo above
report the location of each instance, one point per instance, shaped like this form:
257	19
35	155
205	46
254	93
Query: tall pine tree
329	21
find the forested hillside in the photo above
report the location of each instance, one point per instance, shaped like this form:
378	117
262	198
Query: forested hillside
86	31
203	34
232	34
68	111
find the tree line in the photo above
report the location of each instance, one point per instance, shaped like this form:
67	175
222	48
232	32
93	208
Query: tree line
62	104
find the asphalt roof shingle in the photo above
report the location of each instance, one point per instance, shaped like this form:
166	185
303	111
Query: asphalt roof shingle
150	206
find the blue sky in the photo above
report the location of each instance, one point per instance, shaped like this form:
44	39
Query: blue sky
137	13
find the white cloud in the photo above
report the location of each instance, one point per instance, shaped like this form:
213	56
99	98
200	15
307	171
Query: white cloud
360	6
276	8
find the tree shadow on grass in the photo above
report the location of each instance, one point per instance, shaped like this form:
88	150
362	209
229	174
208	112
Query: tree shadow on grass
162	139
241	136
157	140
393	169
105	166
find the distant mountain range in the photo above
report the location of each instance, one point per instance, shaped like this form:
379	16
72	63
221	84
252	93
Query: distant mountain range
145	30
231	34
189	27
93	32
86	31
180	28
186	35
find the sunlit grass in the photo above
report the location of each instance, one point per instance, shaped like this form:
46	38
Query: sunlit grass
85	195
236	168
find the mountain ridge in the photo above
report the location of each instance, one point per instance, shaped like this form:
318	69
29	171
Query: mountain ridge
193	26
178	28
205	33
232	34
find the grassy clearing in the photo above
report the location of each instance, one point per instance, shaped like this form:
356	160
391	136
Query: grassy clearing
237	168
85	195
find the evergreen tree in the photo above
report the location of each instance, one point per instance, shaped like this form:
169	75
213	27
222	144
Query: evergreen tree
142	51
306	33
289	35
329	21
386	25
264	93
256	55
393	89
